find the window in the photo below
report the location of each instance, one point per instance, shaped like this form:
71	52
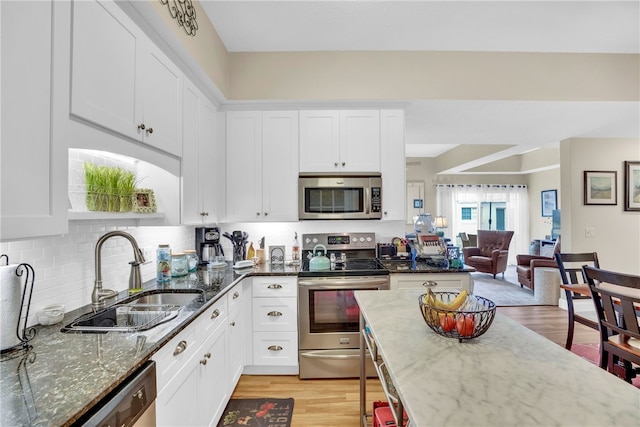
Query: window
467	214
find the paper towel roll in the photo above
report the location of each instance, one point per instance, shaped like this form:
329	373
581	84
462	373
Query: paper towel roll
10	296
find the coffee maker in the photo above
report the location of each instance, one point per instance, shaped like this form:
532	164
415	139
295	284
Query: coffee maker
208	243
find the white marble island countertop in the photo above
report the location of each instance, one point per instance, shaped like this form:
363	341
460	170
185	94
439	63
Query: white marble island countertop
510	376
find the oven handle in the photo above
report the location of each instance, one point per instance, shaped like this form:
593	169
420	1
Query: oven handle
330	356
335	281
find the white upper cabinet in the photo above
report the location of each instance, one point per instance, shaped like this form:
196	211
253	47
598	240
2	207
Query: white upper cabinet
262	165
340	141
121	81
392	162
199	188
34	152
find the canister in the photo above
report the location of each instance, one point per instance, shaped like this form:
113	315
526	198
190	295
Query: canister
192	260
179	265
163	257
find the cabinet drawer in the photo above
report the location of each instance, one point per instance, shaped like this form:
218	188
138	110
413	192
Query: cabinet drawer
212	318
275	286
275	314
452	281
234	296
174	355
275	348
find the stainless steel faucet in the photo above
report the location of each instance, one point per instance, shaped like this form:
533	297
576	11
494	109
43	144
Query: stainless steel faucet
99	295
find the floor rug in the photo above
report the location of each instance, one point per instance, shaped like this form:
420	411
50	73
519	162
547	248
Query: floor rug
504	292
591	353
257	412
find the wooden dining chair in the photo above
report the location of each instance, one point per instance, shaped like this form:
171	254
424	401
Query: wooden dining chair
616	297
575	288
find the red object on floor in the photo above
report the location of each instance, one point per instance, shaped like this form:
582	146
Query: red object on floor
591	353
382	416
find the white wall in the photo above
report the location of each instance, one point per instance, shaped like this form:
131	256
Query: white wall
617	232
64	265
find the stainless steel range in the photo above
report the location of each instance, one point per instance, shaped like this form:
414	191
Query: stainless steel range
328	314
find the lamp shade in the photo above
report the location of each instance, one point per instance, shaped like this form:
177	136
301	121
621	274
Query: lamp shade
441	222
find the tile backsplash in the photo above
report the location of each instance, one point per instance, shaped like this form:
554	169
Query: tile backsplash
64	265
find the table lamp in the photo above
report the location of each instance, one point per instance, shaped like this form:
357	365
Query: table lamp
440	223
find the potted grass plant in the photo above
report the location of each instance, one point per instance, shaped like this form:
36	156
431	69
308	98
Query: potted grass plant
109	189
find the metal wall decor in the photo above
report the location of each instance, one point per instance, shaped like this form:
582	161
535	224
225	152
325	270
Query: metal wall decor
184	13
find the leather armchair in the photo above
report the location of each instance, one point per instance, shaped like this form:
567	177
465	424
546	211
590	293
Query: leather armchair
526	264
490	256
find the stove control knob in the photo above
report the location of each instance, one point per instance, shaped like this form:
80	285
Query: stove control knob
362	239
315	240
369	239
307	240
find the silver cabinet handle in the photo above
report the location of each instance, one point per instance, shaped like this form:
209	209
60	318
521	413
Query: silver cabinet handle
430	283
275	286
236	295
207	355
215	313
203	361
182	346
274	348
274	313
141	126
233	323
150	130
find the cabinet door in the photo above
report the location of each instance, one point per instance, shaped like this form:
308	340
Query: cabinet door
392	162
199	189
244	166
103	83
237	327
177	404
213	391
34	158
319	141
160	100
280	166
360	140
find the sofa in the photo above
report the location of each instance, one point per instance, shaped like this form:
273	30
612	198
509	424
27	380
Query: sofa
526	264
490	256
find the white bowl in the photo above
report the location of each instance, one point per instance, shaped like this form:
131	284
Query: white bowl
51	314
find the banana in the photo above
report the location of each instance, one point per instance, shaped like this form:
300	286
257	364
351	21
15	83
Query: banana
453	305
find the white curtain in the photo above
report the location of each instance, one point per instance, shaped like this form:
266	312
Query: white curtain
450	197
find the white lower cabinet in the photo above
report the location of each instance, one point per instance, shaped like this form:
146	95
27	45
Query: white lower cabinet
237	327
274	326
193	372
453	281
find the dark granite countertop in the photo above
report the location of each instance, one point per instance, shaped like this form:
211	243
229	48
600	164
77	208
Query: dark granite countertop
64	375
418	266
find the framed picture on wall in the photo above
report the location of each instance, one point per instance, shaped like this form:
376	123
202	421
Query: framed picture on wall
600	188
631	186
549	202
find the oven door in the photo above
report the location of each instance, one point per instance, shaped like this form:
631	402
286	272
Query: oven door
329	323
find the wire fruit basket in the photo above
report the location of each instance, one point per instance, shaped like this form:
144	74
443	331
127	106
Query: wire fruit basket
471	320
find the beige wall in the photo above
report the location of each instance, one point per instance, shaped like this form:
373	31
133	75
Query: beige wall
540	226
617	232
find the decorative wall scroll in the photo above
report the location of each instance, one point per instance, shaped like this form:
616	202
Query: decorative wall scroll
184	13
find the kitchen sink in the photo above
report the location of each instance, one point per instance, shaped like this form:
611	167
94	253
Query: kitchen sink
137	313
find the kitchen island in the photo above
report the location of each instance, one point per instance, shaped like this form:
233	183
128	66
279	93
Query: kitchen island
509	376
64	375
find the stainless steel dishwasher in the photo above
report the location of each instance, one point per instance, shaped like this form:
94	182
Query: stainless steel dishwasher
133	403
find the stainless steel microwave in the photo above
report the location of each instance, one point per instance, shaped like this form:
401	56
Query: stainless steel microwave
340	196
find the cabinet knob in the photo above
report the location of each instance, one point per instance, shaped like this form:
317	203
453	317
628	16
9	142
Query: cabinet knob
236	295
274	313
335	164
182	346
150	130
203	362
207	355
141	126
385	212
274	348
343	163
215	313
257	213
266	213
233	323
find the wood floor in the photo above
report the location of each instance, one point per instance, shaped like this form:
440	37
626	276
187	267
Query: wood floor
336	403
